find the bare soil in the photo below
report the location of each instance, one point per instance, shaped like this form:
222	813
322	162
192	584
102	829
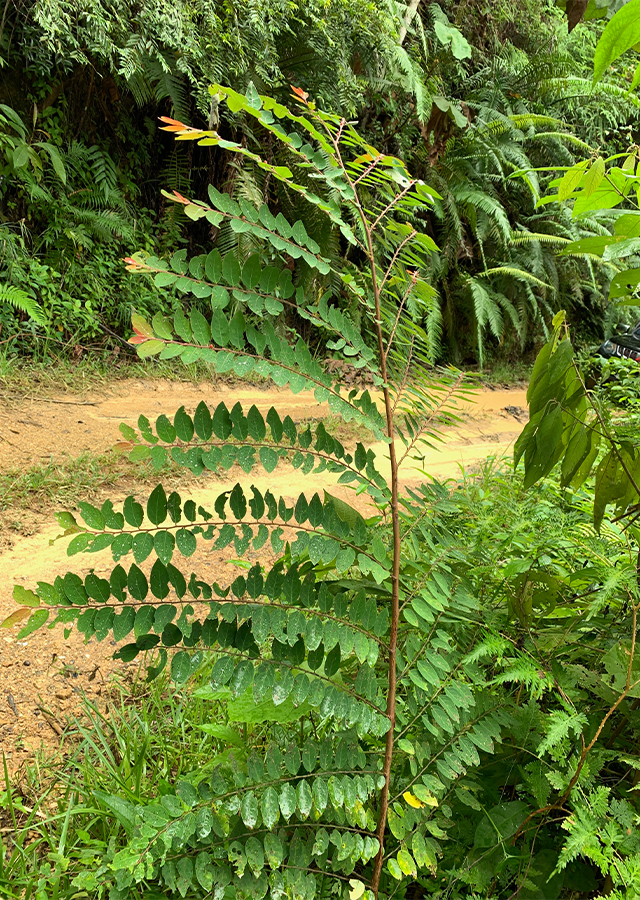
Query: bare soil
43	676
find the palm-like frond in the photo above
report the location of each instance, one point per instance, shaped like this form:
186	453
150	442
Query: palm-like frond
21	301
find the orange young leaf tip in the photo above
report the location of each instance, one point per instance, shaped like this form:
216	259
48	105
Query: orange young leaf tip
134	265
303	95
138	338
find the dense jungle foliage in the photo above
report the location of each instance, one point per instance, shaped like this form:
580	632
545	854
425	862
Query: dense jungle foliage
473	96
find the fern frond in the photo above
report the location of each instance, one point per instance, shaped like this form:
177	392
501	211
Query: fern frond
562	136
528	237
513	272
21	301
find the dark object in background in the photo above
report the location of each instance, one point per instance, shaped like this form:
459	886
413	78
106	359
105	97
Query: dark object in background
624	346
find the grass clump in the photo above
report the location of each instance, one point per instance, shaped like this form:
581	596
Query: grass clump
69	814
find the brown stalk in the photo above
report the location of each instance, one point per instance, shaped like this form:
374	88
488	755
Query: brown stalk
369	229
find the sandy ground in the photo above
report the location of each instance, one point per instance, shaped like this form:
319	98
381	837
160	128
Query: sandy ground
43	676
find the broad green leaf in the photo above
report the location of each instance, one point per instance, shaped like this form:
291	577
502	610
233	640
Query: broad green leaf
624	284
164	543
202	421
186	542
594	176
406	863
570	180
268	458
137	583
24	597
36	620
123	623
621	34
122	809
305	798
204	871
270	808
249	810
162	327
394	869
200	328
180	667
92	516
133	512
142	545
287	801
272	846
141	326
150	348
157	505
56	160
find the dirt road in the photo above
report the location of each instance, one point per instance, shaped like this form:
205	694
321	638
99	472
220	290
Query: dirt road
42	676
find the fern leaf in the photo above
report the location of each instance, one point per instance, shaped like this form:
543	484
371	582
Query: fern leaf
21	301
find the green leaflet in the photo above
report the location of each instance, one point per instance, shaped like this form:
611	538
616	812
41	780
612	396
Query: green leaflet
620	34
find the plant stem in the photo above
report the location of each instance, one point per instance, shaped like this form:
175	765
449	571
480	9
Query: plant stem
368	229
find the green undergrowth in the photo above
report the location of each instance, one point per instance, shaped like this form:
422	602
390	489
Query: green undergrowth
22	377
63	814
551	595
